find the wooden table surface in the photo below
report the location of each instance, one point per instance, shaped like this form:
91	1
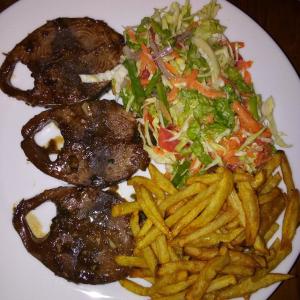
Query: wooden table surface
281	19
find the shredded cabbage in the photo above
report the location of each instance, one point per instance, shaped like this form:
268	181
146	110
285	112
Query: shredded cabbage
267	110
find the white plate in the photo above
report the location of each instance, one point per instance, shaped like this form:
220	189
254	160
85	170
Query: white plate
22	276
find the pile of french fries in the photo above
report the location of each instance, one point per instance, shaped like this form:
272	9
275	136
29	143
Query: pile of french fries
210	239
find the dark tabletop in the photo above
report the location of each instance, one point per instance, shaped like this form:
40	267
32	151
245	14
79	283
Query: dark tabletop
281	19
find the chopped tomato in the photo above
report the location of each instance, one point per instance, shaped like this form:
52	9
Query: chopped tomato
144	76
164	136
243	65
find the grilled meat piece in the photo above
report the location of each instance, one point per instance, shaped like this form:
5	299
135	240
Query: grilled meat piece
101	143
56	53
83	239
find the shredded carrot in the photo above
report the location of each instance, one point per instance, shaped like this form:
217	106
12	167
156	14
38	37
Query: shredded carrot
131	34
210	93
191	77
171	68
191	82
193	167
172	94
247	121
158	150
247	77
146	59
147	116
174	54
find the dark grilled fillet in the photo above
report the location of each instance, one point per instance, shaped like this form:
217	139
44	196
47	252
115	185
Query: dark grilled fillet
56	53
101	143
83	239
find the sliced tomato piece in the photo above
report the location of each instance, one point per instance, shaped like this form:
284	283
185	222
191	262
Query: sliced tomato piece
164	136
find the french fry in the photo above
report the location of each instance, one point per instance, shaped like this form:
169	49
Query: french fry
168	279
238	270
130	261
210	227
171	210
260	245
149	185
125	208
134	223
134	287
161	180
208	241
239	239
205	179
223	190
248	286
271	183
201	253
270	196
238	177
269	212
179	296
172	254
171	220
189	191
259	179
287	173
214	238
189	217
179	286
209	296
280	255
273	163
221	282
251	209
162	249
154	248
271	231
260	260
139	273
233	224
150	259
192	266
290	221
145	228
205	277
150	279
242	259
151	210
235	202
